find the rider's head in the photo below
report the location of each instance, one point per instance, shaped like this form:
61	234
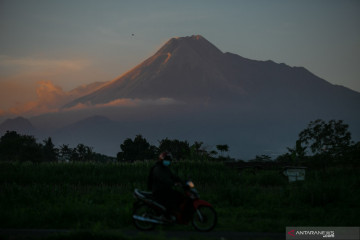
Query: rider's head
166	158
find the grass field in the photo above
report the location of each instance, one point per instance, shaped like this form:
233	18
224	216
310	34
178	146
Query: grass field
99	196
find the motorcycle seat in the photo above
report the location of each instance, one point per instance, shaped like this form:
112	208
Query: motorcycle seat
148	197
147	194
143	194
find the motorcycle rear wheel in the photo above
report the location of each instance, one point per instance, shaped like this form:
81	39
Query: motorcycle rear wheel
145	211
204	219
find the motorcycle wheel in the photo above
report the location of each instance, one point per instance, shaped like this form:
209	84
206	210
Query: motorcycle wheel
145	211
204	219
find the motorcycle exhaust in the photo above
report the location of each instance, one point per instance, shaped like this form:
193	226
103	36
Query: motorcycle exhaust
144	219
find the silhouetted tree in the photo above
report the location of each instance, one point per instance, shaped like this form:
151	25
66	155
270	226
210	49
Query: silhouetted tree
297	153
286	157
212	153
198	152
222	148
197	145
128	152
120	156
179	149
137	149
82	153
331	138
353	154
65	153
50	153
16	147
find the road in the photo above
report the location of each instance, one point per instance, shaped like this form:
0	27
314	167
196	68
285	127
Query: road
14	234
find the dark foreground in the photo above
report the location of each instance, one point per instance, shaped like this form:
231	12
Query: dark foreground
16	234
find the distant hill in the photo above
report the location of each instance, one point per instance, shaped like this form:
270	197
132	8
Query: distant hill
95	131
18	124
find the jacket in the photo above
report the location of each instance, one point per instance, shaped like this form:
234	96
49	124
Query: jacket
161	179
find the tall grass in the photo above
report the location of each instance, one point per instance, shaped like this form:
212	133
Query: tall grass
90	195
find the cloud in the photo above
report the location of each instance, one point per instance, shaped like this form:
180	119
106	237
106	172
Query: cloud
13	92
137	102
51	98
48	92
34	63
21	92
67	73
125	102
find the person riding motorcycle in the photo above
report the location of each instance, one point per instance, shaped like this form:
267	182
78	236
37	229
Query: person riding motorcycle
161	182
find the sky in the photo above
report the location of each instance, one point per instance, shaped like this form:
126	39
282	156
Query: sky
49	47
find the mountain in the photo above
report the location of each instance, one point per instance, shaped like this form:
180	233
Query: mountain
85	89
256	107
183	69
18	124
192	70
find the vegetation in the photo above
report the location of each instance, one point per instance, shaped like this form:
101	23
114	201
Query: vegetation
82	193
321	138
18	147
179	149
91	195
324	144
140	149
15	147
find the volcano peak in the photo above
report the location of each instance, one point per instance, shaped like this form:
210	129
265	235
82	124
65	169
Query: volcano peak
196	43
192	37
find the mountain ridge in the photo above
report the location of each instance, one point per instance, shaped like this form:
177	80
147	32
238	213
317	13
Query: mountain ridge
194	70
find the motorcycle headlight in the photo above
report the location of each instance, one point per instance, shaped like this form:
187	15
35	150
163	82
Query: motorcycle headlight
190	184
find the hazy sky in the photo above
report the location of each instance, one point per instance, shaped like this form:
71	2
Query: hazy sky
73	42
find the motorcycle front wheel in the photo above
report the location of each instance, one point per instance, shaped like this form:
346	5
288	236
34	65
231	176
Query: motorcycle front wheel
143	211
204	219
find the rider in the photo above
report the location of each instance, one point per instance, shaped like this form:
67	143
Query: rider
161	182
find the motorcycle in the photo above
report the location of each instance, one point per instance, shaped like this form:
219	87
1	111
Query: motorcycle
147	213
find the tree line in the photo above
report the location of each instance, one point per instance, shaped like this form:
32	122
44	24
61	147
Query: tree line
321	142
22	148
140	149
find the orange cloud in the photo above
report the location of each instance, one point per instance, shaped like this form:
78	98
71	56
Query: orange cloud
125	102
51	98
13	93
68	73
21	92
48	92
132	102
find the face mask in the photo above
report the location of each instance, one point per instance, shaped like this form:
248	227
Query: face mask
166	163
